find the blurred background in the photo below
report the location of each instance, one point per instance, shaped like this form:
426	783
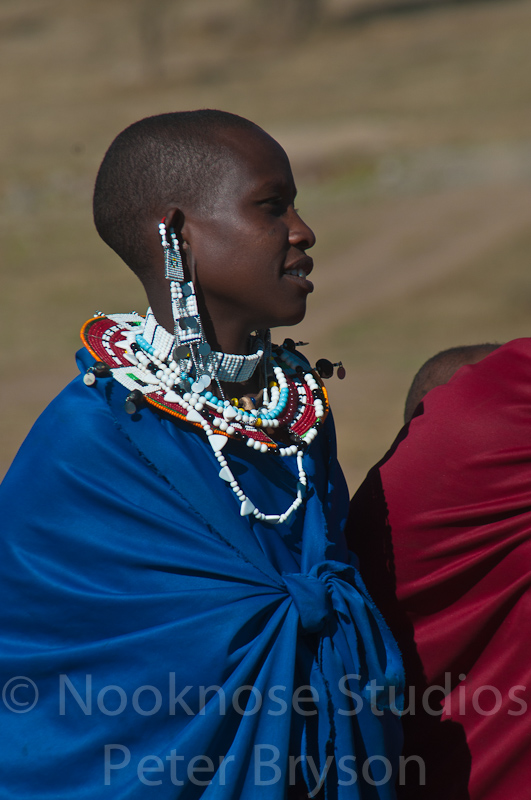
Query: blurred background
408	123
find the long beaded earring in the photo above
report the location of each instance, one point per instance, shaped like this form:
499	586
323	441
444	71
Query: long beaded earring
173	263
191	347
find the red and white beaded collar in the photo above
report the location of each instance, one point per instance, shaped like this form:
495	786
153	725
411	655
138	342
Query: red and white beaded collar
113	341
297	408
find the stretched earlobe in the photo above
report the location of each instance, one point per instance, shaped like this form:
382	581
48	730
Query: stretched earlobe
189	261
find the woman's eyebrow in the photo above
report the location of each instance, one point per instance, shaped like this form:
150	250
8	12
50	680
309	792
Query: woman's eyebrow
278	187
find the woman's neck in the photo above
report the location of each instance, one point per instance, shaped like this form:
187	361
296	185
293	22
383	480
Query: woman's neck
230	337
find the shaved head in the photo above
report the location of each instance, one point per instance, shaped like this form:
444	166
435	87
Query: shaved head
175	159
439	369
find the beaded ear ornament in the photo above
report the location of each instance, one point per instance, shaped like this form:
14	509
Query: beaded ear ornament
175	373
190	342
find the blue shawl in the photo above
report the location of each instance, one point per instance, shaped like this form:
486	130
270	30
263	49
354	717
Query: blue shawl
153	637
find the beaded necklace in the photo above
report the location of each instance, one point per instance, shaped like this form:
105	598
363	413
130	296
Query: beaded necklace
140	355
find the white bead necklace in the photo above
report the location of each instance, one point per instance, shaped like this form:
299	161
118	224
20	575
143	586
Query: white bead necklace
290	403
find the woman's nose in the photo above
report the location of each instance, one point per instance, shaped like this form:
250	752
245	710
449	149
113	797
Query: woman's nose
301	235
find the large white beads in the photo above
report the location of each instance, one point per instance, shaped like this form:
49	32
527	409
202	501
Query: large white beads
247	507
218	442
226	475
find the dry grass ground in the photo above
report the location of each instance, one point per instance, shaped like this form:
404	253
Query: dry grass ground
410	137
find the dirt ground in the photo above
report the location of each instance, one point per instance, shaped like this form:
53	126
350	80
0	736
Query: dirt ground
410	141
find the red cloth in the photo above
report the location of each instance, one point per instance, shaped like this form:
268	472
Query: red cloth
445	520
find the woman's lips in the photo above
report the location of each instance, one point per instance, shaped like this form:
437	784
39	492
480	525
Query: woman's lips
299	271
299	277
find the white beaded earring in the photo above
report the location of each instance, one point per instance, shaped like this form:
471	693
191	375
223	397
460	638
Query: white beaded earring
192	351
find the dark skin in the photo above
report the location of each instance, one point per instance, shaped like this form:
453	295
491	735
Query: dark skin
240	249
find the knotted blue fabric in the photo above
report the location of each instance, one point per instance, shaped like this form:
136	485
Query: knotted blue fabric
172	647
311	597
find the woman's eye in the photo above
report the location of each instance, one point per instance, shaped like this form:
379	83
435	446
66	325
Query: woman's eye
277	204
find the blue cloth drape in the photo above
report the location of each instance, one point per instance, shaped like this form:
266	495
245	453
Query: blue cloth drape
168	637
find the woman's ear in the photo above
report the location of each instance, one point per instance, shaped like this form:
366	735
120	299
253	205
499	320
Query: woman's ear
174	218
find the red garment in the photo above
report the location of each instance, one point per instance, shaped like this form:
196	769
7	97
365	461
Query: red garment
445	518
